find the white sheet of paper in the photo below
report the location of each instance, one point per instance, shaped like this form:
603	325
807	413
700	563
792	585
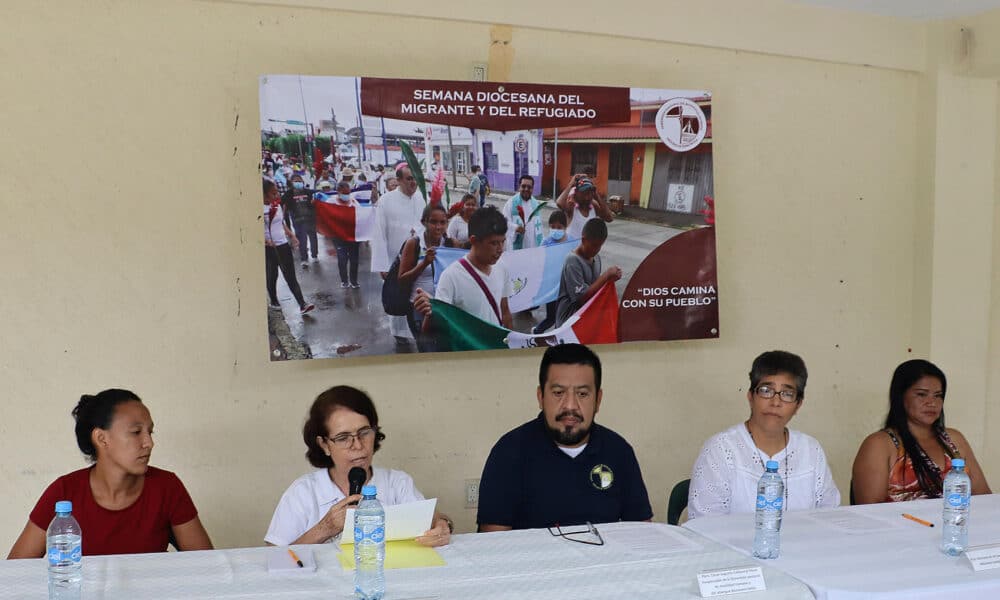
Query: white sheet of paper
279	561
722	582
984	557
402	521
850	522
645	539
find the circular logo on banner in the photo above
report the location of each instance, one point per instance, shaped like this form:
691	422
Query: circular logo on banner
520	145
601	477
681	124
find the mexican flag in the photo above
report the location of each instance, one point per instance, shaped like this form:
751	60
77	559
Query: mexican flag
595	323
534	272
348	223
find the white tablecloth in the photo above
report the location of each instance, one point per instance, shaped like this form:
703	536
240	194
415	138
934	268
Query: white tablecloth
895	558
516	564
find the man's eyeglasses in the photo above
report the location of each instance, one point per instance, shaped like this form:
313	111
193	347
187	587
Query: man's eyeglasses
589	535
767	393
346	440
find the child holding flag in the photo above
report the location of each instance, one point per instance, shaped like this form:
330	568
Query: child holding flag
416	267
477	284
557	235
581	274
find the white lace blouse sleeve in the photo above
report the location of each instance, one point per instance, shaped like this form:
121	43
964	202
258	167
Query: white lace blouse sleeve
711	480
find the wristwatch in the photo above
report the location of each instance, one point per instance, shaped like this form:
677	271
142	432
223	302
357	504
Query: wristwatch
451	524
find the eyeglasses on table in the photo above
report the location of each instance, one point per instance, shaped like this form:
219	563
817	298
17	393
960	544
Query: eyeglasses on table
579	535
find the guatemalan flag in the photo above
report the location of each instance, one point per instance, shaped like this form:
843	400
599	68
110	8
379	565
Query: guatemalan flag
348	223
534	272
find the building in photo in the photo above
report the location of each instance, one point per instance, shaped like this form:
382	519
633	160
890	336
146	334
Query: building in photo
631	161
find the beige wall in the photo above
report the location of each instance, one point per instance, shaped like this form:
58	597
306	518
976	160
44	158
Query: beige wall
133	253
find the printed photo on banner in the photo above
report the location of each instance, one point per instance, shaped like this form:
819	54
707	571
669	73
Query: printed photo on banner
409	215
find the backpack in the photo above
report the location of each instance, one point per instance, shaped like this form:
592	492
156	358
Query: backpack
396	296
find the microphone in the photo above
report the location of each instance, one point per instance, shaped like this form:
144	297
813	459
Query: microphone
356	478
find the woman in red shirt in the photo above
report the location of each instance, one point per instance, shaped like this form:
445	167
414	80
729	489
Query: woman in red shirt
123	505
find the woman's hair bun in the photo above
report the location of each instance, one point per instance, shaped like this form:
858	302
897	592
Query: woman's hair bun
96	412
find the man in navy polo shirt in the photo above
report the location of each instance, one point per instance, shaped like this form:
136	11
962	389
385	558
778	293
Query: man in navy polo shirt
562	468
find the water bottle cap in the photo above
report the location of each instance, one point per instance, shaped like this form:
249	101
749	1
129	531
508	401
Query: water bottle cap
65	506
772	465
368	490
958	462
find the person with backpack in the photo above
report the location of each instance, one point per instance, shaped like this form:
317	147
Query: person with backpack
416	268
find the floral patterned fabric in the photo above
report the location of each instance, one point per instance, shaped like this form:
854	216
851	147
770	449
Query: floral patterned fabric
903	484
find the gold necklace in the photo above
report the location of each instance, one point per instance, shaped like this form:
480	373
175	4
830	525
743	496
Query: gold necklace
757	456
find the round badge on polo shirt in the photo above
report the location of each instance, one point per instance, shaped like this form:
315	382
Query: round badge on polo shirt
602	477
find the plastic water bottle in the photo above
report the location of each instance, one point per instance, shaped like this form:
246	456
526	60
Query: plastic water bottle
770	503
957	490
64	549
369	547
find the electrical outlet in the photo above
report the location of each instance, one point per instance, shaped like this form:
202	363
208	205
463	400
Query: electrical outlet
471	493
479	72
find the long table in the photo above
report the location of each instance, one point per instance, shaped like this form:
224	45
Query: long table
871	551
638	560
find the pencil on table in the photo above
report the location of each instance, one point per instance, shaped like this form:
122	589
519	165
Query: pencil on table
916	520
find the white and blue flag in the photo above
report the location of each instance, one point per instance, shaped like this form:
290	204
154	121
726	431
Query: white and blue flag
534	272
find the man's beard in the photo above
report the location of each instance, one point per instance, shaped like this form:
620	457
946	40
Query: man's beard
565	437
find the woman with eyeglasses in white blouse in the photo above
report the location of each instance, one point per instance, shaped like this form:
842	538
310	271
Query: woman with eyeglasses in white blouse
725	474
341	433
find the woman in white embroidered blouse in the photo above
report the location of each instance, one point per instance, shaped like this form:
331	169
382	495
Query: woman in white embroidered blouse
725	474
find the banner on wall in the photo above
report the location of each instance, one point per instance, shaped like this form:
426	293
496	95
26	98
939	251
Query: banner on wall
354	167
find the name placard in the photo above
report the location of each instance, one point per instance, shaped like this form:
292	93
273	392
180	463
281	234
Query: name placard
984	558
735	580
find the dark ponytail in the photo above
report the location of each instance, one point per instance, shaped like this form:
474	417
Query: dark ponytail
96	412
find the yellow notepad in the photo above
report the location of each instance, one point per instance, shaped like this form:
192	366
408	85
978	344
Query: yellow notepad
399	554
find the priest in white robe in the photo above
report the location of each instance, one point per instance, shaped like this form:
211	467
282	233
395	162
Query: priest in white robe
524	220
397	219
